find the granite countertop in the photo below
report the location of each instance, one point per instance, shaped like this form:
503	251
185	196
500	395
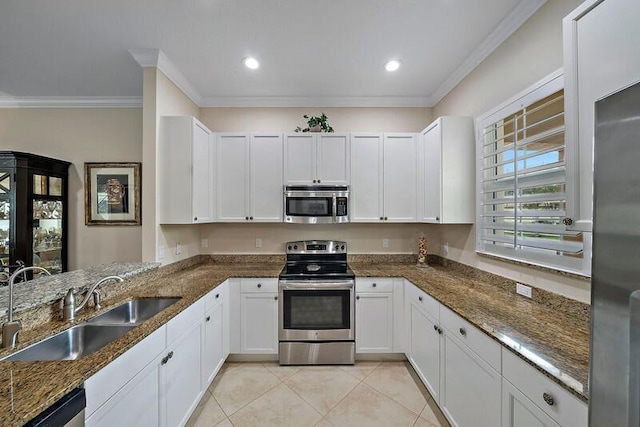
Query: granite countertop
552	340
554	343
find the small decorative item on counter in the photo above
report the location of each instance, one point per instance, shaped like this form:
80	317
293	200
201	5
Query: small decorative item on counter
422	252
316	124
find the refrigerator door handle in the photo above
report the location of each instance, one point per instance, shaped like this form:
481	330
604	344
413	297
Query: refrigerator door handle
634	358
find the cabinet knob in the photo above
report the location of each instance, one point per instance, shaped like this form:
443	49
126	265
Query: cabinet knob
437	218
419	298
435	328
208	318
195	218
357	296
259	285
217	295
314	181
251	218
164	360
374	285
381	218
440	330
170	354
385	218
462	332
567	221
275	298
246	218
548	399
318	181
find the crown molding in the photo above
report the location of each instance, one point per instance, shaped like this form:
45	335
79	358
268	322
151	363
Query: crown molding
514	20
156	58
71	102
320	101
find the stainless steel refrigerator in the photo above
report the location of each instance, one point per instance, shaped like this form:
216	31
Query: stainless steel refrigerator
614	381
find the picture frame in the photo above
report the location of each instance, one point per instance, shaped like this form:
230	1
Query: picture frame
112	194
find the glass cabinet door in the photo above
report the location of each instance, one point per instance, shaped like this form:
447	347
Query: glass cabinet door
47	234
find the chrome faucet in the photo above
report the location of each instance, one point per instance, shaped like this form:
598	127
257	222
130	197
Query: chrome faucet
69	309
11	327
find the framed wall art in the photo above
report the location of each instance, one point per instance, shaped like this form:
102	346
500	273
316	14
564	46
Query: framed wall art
112	193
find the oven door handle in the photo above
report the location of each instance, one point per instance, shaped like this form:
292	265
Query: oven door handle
339	285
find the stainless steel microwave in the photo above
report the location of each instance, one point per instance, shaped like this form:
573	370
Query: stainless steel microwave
316	204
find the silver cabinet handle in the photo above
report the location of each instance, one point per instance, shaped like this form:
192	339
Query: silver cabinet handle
208	318
462	331
217	295
548	399
419	298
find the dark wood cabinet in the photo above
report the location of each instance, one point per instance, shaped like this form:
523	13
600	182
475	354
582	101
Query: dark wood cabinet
33	211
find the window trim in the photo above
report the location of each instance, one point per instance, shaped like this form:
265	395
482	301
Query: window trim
539	90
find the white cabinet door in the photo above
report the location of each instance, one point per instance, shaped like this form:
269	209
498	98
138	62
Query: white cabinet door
266	178
180	379
259	323
332	163
232	177
374	322
471	388
299	159
212	344
400	177
185	184
601	56
366	198
136	404
448	163
424	348
520	411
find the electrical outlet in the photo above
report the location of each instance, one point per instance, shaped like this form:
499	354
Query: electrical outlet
258	243
161	250
445	248
204	243
178	248
385	243
523	290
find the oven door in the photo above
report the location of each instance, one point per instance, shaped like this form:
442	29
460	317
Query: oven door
316	311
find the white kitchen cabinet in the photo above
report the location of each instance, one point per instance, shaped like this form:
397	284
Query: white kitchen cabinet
424	336
185	171
384	177
538	391
447	171
316	158
215	327
249	177
601	56
259	316
374	316
519	411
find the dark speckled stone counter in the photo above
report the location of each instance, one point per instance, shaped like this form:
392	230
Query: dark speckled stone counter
553	341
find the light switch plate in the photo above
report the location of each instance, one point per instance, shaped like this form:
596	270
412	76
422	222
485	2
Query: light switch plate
204	243
523	290
178	248
385	243
258	243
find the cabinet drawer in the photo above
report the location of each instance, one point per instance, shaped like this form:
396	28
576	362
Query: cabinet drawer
192	315
566	409
422	299
216	296
374	285
258	285
474	338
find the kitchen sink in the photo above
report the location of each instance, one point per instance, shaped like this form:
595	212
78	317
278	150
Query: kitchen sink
74	343
134	312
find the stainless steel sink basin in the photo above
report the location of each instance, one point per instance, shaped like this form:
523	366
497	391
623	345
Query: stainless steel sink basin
134	312
74	343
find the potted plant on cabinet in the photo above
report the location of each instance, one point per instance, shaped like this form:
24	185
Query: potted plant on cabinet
316	124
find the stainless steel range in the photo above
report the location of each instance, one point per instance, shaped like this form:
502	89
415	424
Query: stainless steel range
316	305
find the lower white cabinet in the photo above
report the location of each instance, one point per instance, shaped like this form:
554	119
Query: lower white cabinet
519	411
214	350
471	388
374	322
259	316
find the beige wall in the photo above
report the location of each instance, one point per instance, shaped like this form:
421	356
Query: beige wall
78	136
531	53
341	119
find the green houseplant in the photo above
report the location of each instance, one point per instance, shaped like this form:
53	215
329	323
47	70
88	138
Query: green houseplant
316	124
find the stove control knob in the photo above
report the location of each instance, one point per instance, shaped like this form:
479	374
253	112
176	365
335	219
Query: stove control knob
289	247
295	247
342	247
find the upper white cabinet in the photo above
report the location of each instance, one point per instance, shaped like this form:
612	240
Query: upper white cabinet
249	177
447	171
601	56
383	177
185	171
316	158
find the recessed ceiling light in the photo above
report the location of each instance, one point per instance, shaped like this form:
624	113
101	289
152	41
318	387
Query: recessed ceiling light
392	65
251	63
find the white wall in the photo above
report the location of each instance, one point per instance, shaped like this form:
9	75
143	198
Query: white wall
531	53
79	136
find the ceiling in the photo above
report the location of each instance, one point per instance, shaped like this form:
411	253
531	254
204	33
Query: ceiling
322	53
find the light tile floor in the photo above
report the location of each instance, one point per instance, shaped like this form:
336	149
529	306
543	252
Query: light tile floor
367	394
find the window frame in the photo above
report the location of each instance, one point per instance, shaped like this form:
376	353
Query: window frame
536	92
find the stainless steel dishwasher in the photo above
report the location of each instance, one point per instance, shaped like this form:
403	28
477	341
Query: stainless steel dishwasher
66	412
